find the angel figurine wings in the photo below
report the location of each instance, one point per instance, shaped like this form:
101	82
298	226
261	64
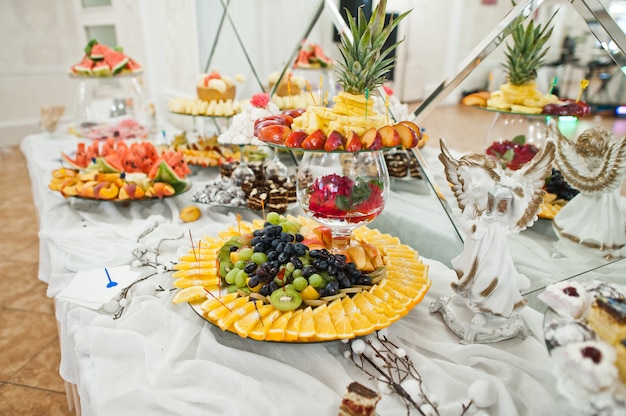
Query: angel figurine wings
494	204
595	164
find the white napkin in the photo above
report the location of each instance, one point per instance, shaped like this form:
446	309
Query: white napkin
90	288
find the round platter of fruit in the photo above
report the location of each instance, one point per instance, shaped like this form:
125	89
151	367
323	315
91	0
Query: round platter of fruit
279	280
121	171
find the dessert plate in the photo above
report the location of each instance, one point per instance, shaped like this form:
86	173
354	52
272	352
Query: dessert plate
580	379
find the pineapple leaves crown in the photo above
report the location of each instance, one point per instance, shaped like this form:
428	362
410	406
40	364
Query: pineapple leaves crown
365	64
526	55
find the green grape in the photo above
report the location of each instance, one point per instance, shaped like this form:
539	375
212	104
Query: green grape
326	276
273	218
245	253
240	278
259	257
290	267
306	260
316	280
279	282
231	288
300	283
240	264
231	275
296	273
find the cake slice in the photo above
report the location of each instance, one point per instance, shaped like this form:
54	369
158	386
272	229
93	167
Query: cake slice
359	401
608	319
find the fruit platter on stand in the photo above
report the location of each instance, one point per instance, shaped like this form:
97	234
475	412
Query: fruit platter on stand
110	99
325	276
523	113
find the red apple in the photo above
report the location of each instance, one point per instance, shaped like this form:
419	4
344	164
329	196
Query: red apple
296	138
390	136
265	123
276	134
371	139
315	140
353	142
335	141
407	136
325	235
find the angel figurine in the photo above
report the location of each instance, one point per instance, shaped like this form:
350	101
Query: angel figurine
494	204
595	164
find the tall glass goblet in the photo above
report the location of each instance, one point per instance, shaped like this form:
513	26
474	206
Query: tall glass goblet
342	190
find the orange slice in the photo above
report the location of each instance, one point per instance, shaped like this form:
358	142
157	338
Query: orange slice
260	330
293	326
195	273
324	329
379	320
214	302
226	321
390	310
190	294
277	331
340	321
359	323
210	283
247	322
307	326
226	308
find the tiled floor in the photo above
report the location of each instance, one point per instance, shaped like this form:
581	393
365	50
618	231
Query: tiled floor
29	352
29	347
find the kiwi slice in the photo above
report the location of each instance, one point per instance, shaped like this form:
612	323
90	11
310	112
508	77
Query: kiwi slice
285	298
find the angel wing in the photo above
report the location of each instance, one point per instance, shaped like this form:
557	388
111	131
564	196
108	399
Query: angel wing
450	168
530	180
606	178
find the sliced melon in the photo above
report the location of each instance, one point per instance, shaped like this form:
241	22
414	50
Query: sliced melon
164	173
101	165
116	60
101	69
98	51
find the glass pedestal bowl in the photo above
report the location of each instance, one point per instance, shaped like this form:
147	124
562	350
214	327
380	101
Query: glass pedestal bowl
342	191
513	139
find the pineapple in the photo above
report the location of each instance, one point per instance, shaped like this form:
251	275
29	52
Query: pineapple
362	71
523	58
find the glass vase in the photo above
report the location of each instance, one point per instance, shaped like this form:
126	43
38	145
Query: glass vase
342	191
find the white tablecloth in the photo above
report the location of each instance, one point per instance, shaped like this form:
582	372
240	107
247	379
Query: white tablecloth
163	359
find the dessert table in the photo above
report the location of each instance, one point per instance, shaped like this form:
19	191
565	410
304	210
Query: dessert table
159	358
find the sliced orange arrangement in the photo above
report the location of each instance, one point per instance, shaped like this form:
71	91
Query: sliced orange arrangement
356	314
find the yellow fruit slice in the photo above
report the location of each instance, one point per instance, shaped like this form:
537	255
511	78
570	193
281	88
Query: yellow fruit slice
194	274
388	300
360	324
293	326
226	321
279	326
307	326
379	320
247	322
390	310
209	283
260	330
225	309
340	321
324	329
216	301
205	265
190	294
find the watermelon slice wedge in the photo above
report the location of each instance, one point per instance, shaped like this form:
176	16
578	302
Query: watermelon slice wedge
115	60
98	51
101	69
84	67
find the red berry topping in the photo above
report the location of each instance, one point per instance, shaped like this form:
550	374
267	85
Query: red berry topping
592	353
571	291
